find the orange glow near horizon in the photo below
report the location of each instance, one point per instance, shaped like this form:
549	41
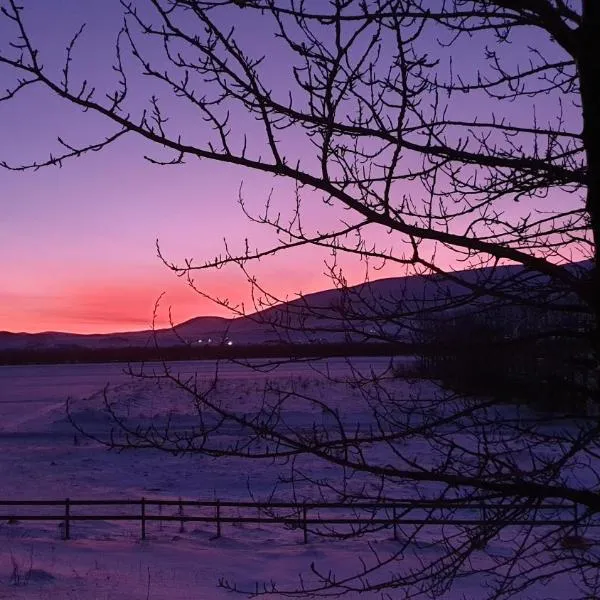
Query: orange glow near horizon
114	306
120	302
105	310
124	303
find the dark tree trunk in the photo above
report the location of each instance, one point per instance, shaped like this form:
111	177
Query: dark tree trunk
589	73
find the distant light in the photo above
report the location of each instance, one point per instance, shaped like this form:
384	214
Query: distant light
230	343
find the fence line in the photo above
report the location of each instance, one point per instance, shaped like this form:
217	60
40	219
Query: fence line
304	515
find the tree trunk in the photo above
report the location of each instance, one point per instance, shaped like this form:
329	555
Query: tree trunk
589	73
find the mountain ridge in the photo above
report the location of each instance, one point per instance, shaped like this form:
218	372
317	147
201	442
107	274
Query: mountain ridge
325	315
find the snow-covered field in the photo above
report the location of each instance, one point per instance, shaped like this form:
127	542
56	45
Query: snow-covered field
107	560
42	458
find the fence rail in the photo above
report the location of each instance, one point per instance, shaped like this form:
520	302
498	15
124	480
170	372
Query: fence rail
358	516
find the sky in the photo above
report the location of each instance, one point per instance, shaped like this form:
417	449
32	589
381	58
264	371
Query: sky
79	242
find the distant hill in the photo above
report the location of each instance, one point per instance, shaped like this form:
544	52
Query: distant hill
379	309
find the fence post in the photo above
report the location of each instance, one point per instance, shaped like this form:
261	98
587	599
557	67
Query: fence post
304	523
218	517
182	521
575	519
395	524
143	517
67	521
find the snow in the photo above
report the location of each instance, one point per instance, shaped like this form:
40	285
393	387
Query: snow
42	459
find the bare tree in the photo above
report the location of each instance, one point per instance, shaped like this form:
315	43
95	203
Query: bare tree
450	132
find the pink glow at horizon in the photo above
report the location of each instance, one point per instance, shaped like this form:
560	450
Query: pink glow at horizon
103	309
81	246
122	301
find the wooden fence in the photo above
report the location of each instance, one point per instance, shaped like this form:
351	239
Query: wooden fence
319	517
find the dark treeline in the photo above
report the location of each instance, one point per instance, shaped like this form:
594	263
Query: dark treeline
546	363
173	353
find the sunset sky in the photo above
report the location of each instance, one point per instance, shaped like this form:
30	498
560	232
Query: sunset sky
78	242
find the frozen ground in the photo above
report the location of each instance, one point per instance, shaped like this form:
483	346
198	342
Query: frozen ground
107	560
41	459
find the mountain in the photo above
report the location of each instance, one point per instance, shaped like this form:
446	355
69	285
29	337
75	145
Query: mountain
56	339
364	311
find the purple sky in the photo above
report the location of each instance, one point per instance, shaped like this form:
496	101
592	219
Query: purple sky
78	243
